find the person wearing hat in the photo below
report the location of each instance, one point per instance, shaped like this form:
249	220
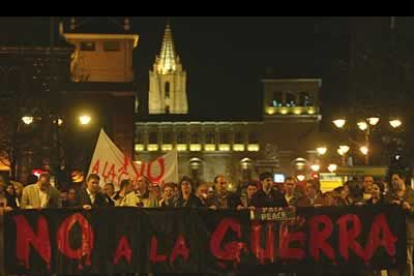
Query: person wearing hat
377	194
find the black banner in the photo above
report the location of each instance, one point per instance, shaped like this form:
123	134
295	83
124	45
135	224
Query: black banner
130	240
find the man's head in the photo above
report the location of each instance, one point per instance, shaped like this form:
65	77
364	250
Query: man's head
311	189
109	189
266	179
377	189
141	184
221	184
72	194
251	189
168	191
92	183
186	185
367	183
290	184
398	181
64	195
44	180
125	185
202	191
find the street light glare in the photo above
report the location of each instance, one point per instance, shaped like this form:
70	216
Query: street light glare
362	125
344	148
321	150
85	119
332	167
373	120
395	123
300	177
339	123
364	150
27	120
315	167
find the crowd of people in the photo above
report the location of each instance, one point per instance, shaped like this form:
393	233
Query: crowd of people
263	193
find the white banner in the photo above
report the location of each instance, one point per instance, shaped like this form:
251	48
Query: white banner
113	166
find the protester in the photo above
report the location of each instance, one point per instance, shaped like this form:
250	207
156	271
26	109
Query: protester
221	197
268	196
41	194
167	200
90	196
187	198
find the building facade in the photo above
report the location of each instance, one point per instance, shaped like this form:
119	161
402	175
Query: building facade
283	141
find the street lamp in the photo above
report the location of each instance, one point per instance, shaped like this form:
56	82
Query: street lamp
373	120
364	150
315	167
300	177
27	120
395	123
332	167
362	125
344	148
85	119
339	123
321	150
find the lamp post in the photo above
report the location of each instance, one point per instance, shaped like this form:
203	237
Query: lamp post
365	125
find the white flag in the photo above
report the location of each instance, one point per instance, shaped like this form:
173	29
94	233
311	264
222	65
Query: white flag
113	166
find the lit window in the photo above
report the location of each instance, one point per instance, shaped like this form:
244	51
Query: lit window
253	147
209	147
305	99
139	147
195	147
238	147
152	147
181	147
224	147
290	99
277	99
166	147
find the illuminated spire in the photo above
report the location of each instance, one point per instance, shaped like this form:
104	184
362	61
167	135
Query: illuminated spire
168	59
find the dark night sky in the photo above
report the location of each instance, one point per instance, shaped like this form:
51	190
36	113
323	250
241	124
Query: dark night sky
225	57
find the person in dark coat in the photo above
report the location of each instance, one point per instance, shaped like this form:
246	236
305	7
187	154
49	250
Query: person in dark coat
187	198
90	197
377	194
222	198
6	199
268	196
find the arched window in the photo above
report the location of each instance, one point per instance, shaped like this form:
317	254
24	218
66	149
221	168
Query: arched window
305	99
224	138
181	138
167	90
210	138
290	99
167	138
277	99
153	137
167	109
139	137
195	138
238	138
